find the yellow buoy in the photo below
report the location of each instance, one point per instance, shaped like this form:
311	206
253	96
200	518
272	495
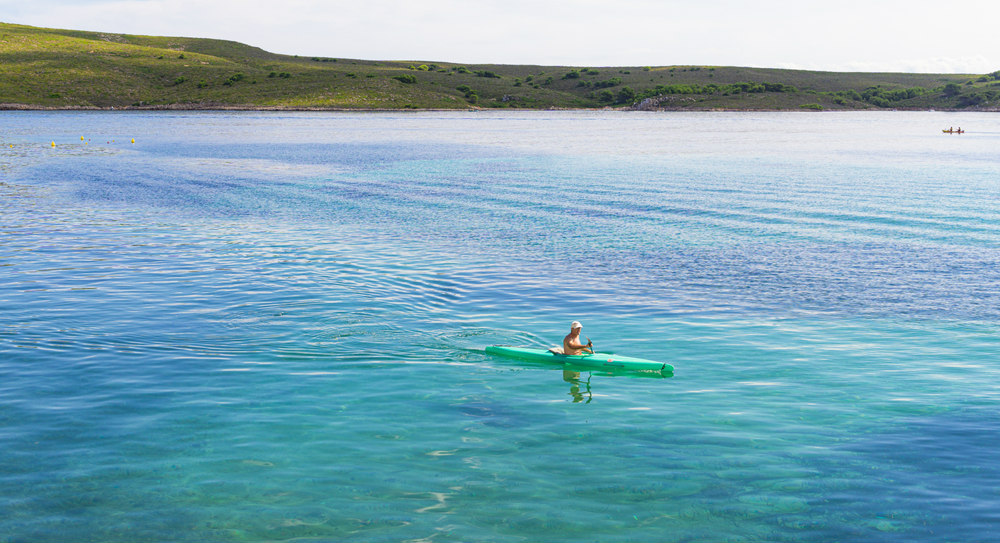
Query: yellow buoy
81	138
133	140
53	144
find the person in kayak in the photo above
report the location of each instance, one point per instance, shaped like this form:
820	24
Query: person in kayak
571	343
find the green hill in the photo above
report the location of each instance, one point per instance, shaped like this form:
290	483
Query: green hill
50	68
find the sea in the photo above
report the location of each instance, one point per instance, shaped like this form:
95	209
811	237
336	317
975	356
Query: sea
270	326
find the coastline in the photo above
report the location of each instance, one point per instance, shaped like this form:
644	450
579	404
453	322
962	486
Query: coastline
231	107
95	71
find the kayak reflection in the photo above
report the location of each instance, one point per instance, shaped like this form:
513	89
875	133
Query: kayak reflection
573	378
580	388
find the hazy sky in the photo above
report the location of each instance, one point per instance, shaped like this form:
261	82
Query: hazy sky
956	36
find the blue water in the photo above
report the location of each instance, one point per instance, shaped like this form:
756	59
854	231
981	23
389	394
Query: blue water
269	326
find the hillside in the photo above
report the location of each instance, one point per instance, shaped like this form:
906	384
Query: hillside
51	68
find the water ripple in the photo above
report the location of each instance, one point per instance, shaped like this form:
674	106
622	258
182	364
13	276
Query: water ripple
283	338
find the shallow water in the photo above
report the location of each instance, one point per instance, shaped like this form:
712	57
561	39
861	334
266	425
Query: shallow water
269	326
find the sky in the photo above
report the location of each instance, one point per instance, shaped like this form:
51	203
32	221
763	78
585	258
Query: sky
957	36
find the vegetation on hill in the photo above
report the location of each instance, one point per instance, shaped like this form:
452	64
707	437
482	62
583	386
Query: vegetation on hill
50	68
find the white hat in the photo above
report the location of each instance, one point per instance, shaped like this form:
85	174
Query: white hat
575	325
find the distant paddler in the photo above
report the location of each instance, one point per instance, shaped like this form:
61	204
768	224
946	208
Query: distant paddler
571	343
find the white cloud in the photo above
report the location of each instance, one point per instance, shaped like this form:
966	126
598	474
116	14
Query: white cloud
859	35
931	65
977	64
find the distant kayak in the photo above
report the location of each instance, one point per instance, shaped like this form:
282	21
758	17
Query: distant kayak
596	360
950	131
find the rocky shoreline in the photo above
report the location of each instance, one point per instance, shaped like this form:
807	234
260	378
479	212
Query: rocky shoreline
657	104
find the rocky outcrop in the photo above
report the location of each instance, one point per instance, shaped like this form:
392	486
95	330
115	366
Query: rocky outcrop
661	102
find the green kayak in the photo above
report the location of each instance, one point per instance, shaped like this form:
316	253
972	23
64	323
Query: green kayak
596	360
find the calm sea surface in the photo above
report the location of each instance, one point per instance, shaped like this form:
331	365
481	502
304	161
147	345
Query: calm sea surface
270	326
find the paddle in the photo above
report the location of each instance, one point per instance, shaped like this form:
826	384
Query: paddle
591	345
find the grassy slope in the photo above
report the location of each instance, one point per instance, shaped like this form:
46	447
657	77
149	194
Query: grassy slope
67	68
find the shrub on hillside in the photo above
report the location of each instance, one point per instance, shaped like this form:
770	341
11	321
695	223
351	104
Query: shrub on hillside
994	76
613	82
626	95
978	98
881	97
470	94
233	79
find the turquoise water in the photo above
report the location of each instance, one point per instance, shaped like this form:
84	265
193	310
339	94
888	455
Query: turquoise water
269	327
